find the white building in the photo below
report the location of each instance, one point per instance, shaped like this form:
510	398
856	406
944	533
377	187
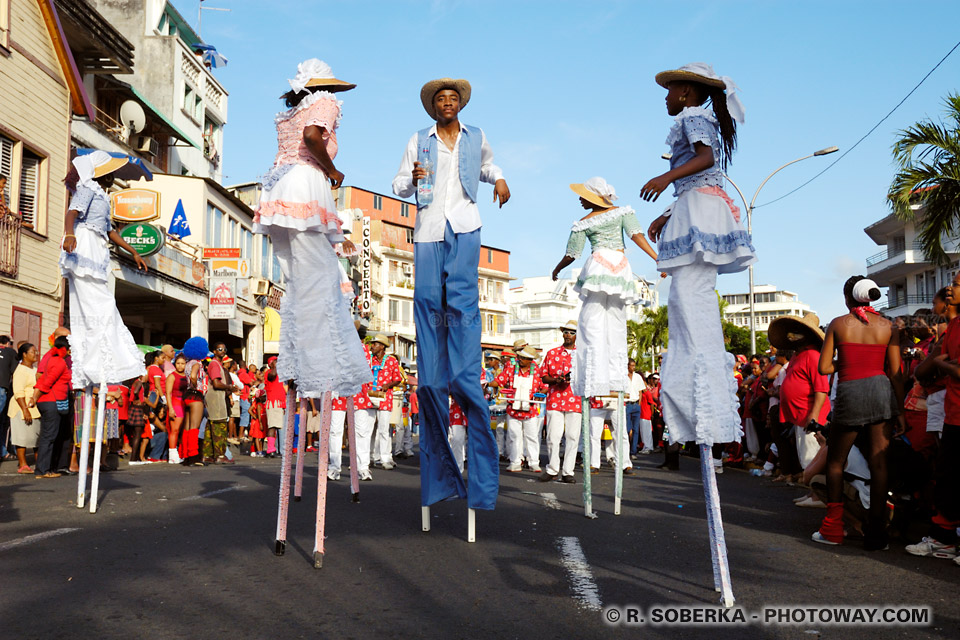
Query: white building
769	302
910	279
539	306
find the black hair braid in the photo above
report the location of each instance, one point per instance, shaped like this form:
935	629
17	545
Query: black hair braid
728	127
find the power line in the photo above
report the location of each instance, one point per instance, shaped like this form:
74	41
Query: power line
872	129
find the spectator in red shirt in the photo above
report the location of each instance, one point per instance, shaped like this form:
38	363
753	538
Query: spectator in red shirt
51	397
247	377
276	404
523	424
564	410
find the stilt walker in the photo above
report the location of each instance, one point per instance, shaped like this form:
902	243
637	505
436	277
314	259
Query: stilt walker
298	211
446	300
700	236
101	347
606	285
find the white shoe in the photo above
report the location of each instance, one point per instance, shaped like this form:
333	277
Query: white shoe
802	498
514	468
646	452
333	475
366	476
388	466
930	547
173	457
718	469
817	537
811	502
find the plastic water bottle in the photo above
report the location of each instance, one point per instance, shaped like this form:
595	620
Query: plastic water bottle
425	184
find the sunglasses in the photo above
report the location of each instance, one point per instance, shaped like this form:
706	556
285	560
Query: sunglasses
568	332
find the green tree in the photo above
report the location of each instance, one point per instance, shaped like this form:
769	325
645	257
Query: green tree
928	179
648	334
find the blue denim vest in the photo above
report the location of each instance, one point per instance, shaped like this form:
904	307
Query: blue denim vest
471	139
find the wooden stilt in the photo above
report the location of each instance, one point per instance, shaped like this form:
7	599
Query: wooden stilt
324	456
281	543
301	454
354	460
471	525
618	473
587	488
425	518
84	446
98	447
718	544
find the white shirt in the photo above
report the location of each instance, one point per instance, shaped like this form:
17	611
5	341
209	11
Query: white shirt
637	385
450	201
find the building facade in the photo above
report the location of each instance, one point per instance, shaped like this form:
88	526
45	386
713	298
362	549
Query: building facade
539	306
901	266
382	228
769	304
40	91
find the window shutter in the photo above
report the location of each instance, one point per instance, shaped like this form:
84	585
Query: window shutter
6	165
29	180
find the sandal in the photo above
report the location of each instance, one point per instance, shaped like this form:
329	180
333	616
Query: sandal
25	469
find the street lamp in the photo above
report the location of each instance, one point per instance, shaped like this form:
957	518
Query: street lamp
750	207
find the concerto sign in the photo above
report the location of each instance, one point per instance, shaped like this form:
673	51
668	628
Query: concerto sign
366	268
145	239
136	205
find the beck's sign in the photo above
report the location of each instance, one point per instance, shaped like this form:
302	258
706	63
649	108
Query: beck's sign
136	205
145	239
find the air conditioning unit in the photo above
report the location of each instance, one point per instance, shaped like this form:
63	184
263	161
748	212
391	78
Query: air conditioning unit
407	269
148	145
259	286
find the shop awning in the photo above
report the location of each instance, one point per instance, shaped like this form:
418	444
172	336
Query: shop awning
179	133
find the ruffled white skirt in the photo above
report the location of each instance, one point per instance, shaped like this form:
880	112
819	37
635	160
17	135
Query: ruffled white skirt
101	346
704	228
299	197
608	271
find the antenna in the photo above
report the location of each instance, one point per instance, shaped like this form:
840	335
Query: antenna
200	11
132	118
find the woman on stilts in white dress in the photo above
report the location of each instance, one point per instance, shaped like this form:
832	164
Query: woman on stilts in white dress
699	236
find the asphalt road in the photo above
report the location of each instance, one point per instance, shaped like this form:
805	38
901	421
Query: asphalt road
188	553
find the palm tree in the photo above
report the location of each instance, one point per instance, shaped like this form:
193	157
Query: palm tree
929	179
648	335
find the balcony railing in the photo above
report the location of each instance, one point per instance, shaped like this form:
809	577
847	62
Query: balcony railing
904	300
10	226
891	253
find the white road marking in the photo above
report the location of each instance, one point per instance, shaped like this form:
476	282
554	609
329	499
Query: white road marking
550	500
213	493
37	537
581	578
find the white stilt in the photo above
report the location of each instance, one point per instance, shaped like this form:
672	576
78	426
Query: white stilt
425	518
718	543
704	468
98	446
301	439
618	473
352	451
471	525
281	542
84	446
587	489
325	411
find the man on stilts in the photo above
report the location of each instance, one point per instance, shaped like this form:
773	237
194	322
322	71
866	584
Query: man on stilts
444	164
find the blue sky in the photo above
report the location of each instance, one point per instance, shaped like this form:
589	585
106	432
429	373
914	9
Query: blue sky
565	91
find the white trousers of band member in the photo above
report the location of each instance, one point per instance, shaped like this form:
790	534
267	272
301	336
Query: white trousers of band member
597	418
524	435
458	442
363	423
562	425
383	441
501	423
646	433
403	439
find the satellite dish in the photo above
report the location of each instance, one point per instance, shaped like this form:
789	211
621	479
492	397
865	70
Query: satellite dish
132	117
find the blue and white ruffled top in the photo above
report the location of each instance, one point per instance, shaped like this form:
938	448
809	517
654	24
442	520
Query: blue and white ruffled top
605	230
695	124
93	210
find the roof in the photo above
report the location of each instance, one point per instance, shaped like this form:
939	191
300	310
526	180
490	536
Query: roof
96	44
79	100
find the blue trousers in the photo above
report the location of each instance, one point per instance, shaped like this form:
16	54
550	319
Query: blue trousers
633	428
446	310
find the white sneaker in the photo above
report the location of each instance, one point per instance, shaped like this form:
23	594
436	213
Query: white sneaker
811	502
366	476
930	547
333	475
173	457
646	452
514	468
718	469
388	465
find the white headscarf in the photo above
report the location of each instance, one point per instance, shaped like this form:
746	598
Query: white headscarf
734	106
307	70
600	187
87	164
862	290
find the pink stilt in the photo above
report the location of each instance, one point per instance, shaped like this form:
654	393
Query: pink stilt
298	481
354	461
325	410
281	545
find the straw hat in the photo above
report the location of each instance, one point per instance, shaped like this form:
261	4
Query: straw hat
790	331
519	344
429	91
596	191
507	353
694	72
571	325
528	352
491	354
317	73
382	339
109	166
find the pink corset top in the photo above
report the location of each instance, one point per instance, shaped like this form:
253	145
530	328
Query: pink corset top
321	109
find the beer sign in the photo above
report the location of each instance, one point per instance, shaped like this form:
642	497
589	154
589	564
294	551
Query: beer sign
145	239
135	205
